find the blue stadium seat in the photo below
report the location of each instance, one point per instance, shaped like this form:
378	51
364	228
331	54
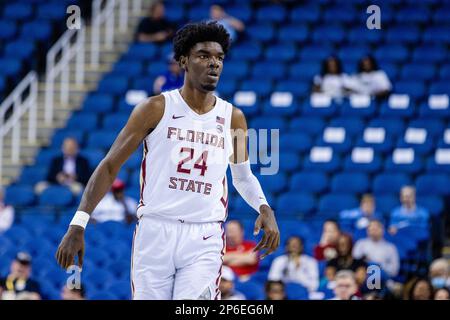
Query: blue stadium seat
260	87
141	51
18	11
298	89
293	203
102	295
336	202
352	125
265	122
413	167
261	32
444	72
309	181
246	51
98	102
439	87
429	54
115	122
341	146
307	13
94	155
413	14
156	68
51	11
436	34
61	134
403	34
19	49
304	70
121	289
8	29
97	256
295	142
415	89
433	184
139	83
433	203
326	166
390	183
295	291
113	85
17	235
419	148
439	113
240	10
360	35
33	174
56	196
128	68
328	33
419	72
272	13
273	183
289	161
316	53
269	70
309	125
392	53
174	13
387	110
309	110
85	121
340	14
393	126
236	68
101	139
251	289
386	203
293	32
19	195
270	109
281	52
350	183
372	166
37	30
10	66
198	13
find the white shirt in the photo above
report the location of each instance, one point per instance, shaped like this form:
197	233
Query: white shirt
307	274
370	83
69	165
236	295
109	209
332	84
6	217
381	252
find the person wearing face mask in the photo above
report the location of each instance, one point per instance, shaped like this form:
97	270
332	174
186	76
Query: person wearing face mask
439	272
295	266
409	214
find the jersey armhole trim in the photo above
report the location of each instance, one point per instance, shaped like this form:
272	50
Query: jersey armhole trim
162	121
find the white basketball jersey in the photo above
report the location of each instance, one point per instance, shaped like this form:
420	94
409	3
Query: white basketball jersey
183	171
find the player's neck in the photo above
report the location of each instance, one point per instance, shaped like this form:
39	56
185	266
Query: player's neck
200	102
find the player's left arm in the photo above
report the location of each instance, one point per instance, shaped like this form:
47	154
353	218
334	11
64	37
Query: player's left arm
249	187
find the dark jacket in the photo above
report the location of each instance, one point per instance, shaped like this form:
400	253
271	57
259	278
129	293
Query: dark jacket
82	169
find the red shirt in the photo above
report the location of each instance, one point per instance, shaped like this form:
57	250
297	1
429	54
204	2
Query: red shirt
245	246
325	252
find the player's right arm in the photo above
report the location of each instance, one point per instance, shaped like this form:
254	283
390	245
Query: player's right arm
142	120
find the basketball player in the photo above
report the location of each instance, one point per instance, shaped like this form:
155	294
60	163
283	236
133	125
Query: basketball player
188	144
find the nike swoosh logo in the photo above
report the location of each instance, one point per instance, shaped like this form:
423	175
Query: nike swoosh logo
206	238
177	117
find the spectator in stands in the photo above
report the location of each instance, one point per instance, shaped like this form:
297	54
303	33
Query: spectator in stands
409	214
370	79
346	287
295	266
173	78
240	256
18	285
233	25
73	294
155	27
421	289
332	81
227	286
69	169
275	290
115	205
359	217
442	294
439	273
376	249
326	249
6	213
345	261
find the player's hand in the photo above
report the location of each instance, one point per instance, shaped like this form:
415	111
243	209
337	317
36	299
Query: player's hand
71	245
271	238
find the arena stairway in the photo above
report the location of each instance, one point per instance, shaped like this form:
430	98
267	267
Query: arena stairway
76	95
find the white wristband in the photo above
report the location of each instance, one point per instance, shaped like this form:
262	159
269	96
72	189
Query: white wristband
81	219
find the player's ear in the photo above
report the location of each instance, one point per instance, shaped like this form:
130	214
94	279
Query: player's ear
183	63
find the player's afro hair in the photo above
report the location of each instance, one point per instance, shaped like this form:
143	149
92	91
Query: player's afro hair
192	33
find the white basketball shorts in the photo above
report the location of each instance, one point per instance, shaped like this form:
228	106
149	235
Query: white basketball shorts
176	260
